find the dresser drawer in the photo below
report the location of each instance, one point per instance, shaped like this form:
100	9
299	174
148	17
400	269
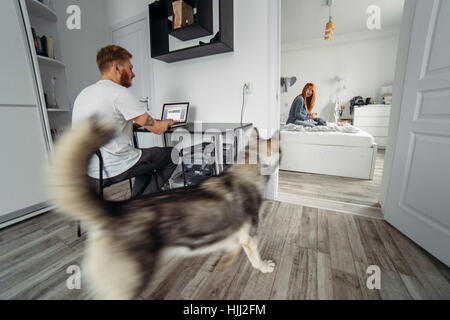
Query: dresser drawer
376	131
371	122
379	111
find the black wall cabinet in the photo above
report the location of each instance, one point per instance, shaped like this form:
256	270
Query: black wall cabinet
161	28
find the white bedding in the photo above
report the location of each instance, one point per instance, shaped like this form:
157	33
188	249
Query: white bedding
331	135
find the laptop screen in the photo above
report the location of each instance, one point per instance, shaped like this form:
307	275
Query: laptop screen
175	111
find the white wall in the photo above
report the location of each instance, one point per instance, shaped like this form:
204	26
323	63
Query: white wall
116	11
365	65
214	84
79	47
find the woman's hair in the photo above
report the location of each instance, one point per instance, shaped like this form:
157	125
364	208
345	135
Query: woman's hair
309	102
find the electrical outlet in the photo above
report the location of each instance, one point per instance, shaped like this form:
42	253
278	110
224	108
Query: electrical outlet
248	87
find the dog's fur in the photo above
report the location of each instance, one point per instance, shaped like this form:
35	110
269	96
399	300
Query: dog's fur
126	239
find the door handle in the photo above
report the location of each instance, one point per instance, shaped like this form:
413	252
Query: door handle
145	100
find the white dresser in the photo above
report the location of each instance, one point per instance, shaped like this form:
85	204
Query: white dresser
374	119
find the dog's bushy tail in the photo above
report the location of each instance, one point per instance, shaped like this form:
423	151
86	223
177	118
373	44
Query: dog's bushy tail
69	186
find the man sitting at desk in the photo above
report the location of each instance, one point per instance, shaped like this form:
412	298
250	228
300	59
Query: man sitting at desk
111	97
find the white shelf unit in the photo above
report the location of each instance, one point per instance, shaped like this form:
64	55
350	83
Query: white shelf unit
43	20
50	62
58	110
374	119
38	9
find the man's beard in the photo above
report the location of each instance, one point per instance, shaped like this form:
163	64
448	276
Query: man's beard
125	80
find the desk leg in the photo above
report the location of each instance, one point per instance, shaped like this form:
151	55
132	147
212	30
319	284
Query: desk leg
218	153
239	141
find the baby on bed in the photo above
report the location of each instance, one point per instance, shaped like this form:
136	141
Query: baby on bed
300	113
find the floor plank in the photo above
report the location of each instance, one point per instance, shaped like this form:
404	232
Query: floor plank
319	254
324	277
346	286
423	265
325	187
373	246
340	249
415	288
308	228
359	254
392	286
323	239
392	249
368	294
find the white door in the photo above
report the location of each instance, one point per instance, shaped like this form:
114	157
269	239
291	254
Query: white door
418	201
133	35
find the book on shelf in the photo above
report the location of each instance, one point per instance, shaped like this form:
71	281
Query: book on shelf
47	47
33	31
44	45
37	42
56	133
50	50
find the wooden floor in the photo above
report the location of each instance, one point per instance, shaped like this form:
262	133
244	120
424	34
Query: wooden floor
319	254
332	188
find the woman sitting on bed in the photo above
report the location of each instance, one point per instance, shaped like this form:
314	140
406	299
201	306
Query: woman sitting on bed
300	113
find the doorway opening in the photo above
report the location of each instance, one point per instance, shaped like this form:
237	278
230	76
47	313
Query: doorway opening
348	50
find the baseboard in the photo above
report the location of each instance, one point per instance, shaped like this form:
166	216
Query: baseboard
343	207
24	217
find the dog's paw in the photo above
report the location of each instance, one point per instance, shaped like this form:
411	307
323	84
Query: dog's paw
267	266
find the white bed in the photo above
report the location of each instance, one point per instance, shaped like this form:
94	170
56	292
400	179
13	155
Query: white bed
331	153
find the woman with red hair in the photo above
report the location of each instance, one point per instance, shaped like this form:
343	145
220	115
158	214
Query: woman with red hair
300	113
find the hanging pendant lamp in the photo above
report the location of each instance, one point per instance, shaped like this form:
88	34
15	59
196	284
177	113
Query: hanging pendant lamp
329	28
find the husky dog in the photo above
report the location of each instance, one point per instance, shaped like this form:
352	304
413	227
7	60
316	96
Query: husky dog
126	239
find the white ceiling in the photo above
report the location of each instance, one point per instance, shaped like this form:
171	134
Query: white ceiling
306	19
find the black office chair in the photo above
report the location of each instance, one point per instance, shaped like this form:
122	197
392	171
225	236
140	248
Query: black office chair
102	184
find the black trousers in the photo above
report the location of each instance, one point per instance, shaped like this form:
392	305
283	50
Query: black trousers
145	181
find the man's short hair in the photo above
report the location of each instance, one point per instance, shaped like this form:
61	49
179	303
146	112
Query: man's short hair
108	54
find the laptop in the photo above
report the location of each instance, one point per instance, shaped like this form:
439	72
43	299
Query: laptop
177	112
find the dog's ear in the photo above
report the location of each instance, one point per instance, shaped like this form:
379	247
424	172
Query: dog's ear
256	132
253	146
276	135
253	141
275	140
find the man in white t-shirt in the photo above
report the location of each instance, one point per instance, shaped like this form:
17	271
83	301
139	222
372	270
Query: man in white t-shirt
110	97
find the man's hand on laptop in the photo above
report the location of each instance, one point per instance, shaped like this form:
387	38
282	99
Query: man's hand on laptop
169	122
153	125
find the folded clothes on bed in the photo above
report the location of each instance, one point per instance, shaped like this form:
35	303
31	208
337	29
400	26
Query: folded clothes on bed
330	127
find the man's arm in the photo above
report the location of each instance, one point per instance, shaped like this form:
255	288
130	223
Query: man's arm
153	125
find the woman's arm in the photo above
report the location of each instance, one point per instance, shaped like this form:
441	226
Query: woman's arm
300	110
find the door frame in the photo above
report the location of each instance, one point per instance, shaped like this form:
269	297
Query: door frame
399	78
397	99
274	72
150	67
